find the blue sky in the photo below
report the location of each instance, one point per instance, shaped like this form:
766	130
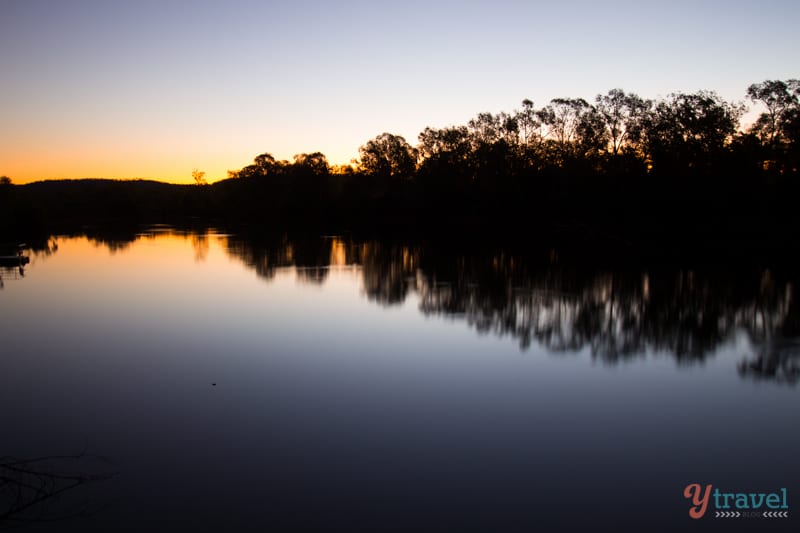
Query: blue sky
156	88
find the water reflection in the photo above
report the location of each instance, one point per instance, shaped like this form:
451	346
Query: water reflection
616	314
201	246
776	359
12	262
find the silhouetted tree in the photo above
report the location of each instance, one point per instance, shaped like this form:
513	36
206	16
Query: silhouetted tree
562	118
445	151
307	183
493	147
343	170
690	131
199	177
590	135
263	165
623	115
777	128
315	163
791	131
388	156
531	137
780	98
528	124
487	128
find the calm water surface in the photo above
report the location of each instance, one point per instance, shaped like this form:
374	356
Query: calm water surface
264	384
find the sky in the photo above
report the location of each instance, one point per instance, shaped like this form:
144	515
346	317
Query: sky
156	88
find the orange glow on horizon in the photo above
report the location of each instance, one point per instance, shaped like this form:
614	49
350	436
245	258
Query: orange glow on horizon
27	166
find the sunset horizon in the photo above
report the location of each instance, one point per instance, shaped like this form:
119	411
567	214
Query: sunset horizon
153	90
751	110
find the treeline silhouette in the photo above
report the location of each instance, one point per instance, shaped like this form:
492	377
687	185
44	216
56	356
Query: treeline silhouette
671	173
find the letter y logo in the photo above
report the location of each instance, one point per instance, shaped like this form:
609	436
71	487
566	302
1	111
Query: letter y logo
699	503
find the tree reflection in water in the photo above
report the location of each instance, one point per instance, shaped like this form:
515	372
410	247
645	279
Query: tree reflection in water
615	313
563	306
776	359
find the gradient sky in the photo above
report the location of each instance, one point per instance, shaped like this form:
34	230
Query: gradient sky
155	88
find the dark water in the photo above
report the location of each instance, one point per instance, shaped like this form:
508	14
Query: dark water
217	383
